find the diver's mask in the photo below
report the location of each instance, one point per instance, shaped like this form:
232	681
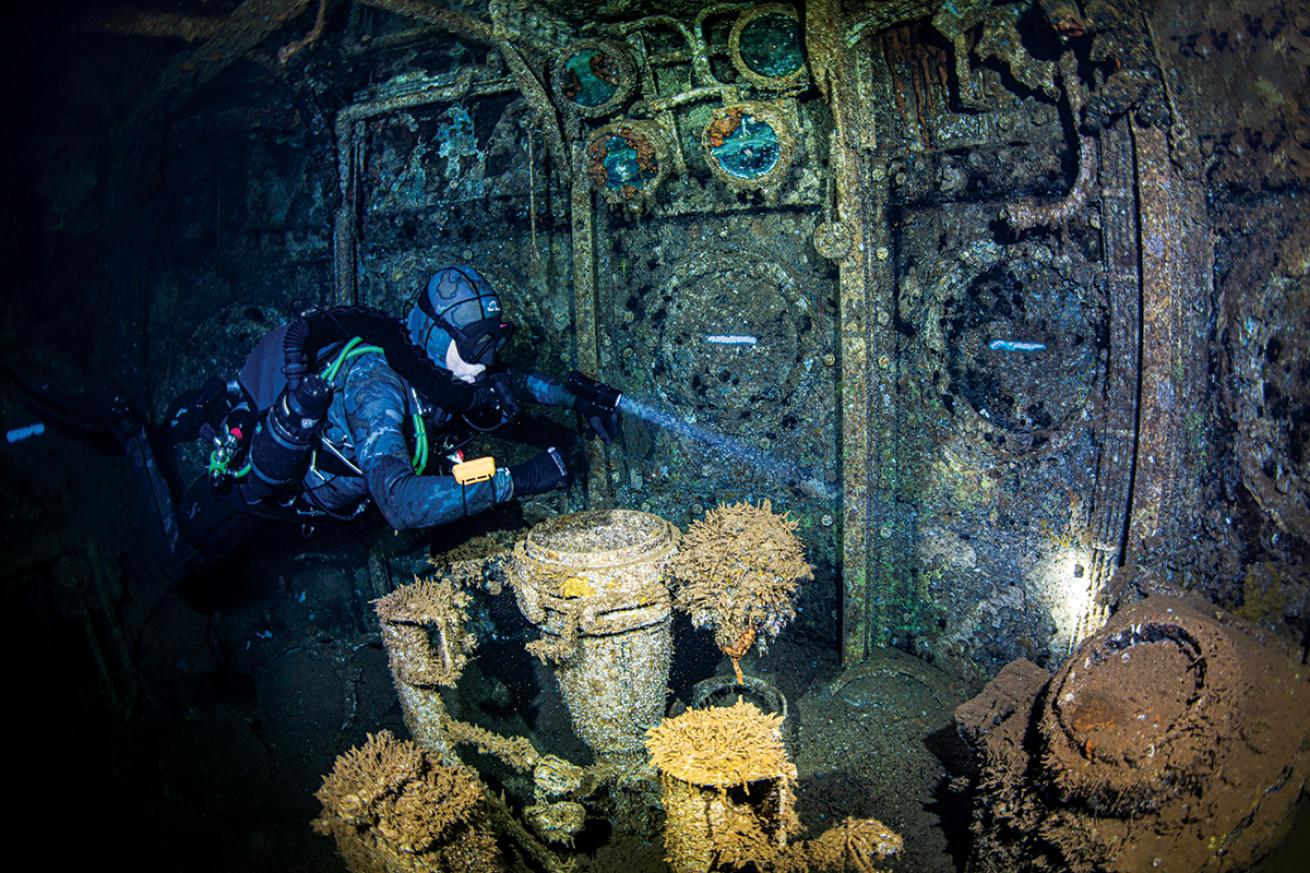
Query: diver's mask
477	340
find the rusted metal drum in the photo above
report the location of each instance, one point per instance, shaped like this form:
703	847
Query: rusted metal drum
592	582
1139	714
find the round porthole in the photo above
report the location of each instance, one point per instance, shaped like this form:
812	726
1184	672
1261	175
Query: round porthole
748	145
1015	340
766	46
627	160
593	77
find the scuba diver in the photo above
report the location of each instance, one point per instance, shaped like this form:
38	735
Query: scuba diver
347	407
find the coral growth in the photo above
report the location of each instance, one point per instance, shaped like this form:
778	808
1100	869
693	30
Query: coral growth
417	656
557	822
478	562
556	649
576	586
727	787
517	752
720	747
393	807
736	571
849	846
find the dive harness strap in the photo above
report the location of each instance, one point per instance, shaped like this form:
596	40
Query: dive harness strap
354	348
234	443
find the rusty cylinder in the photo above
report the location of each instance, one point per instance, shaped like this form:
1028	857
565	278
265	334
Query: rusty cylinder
592	582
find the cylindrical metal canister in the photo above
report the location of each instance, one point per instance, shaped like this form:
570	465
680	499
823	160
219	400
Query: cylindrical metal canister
593	583
726	786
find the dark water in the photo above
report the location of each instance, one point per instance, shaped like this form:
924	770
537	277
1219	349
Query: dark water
976	422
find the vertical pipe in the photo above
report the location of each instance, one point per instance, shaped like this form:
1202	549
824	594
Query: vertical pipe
410	657
582	205
830	63
1116	425
1176	272
350	134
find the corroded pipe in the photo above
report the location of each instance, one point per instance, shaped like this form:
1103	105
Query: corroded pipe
1027	214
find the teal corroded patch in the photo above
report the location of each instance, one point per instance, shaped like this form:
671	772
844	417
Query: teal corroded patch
622	166
771	45
749	151
627	161
591	77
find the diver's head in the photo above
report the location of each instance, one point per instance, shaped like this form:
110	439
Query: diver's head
457	322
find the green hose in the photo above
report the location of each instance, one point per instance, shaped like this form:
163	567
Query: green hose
351	350
420	445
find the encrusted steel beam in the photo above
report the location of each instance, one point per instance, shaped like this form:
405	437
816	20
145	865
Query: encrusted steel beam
458	23
248	26
1176	270
893	599
167	25
832	67
582	211
878	593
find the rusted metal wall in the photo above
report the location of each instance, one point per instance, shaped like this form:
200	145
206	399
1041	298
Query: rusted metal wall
1016	306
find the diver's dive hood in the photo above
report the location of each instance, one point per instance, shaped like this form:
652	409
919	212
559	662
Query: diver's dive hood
459	306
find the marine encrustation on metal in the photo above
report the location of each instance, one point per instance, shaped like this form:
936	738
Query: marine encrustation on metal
627	160
749	145
766	46
593	77
593	583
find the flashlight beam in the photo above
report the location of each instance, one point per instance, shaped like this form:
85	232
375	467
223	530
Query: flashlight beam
777	468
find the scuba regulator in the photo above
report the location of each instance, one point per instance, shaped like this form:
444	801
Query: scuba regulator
496	404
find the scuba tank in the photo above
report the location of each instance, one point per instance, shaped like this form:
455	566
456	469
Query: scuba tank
279	450
275	442
289	430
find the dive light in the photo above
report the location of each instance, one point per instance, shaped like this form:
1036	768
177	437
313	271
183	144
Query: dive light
595	392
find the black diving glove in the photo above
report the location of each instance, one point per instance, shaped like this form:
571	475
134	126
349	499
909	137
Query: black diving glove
603	422
598	403
546	472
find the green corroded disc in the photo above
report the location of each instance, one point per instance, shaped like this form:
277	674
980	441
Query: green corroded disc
750	151
594	76
771	45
